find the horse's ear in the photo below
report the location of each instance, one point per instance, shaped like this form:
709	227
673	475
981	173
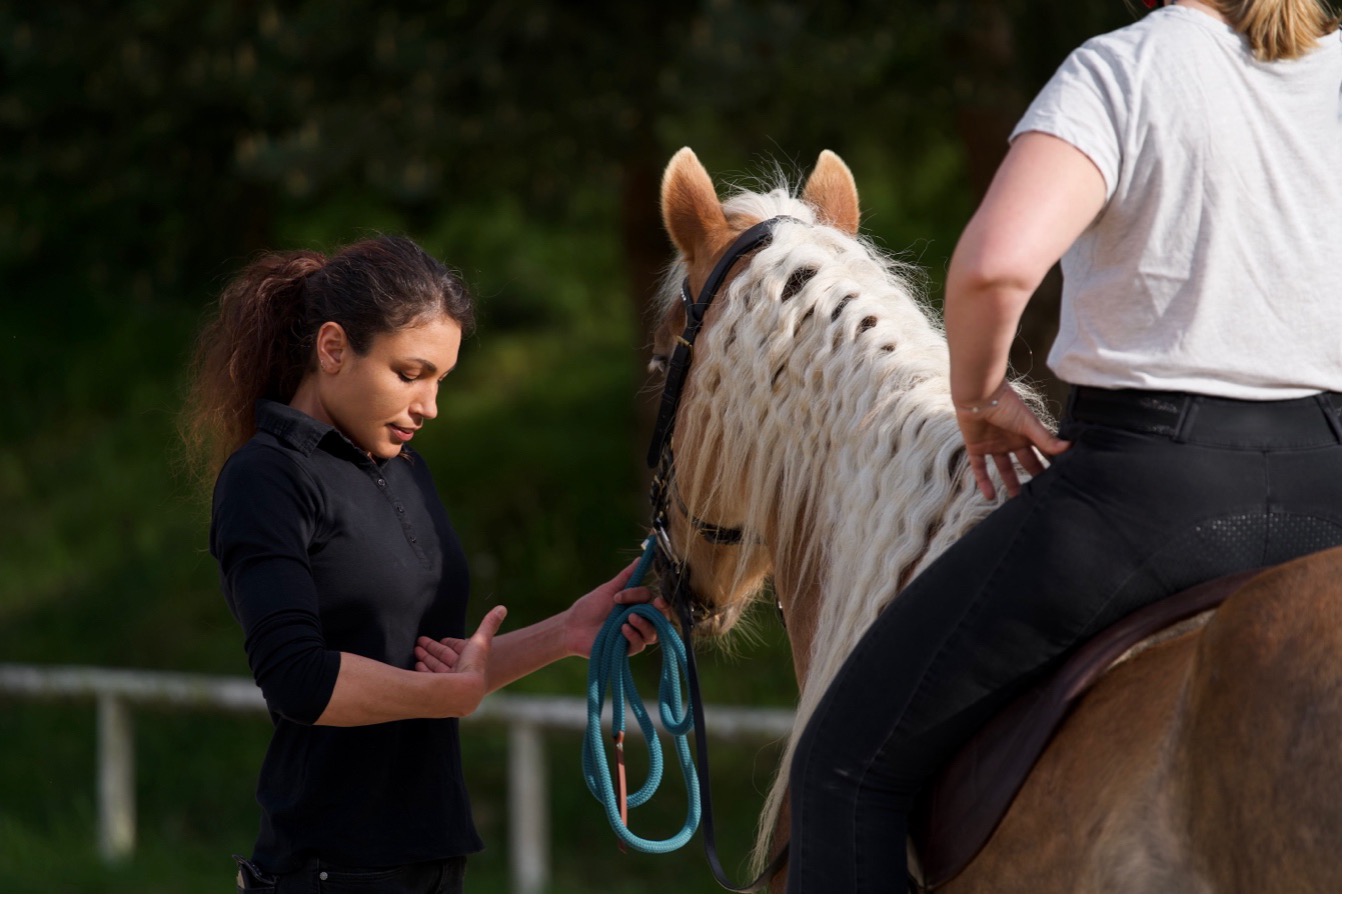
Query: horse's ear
692	213
832	191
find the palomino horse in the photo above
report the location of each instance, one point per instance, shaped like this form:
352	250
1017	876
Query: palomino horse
816	419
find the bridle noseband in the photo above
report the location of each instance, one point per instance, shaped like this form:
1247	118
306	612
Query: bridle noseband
672	571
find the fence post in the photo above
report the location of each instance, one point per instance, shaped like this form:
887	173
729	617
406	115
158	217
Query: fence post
528	809
116	780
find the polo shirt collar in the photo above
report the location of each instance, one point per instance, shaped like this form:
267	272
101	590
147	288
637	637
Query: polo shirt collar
303	433
291	426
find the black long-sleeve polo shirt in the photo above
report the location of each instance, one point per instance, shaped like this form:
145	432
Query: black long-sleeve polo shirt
323	550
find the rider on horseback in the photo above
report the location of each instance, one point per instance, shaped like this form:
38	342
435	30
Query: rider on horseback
1202	435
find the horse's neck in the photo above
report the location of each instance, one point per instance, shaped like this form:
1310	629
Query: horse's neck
864	554
825	387
873	481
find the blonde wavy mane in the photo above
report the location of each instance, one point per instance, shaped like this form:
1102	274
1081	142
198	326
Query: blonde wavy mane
818	406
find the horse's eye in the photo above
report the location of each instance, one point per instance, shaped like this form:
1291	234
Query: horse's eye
659	364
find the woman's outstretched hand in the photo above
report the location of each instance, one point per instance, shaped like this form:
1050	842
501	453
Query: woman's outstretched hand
466	660
455	655
587	616
1003	427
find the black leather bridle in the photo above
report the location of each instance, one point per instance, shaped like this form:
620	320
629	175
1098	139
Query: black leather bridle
673	573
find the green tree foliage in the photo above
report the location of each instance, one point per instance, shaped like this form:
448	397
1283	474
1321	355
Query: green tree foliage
154	140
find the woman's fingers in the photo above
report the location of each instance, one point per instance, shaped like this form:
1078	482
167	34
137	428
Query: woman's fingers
984	483
487	629
640	631
1008	474
1048	442
1030	461
435	656
634	596
474	655
1009	433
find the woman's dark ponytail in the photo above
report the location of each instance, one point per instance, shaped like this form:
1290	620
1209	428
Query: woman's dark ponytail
250	351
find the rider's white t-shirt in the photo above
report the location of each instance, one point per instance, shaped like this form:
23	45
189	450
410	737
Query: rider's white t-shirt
1215	266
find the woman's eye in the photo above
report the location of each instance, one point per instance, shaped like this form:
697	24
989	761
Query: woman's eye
407	378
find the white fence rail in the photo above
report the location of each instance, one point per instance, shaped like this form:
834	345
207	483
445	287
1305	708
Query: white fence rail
115	691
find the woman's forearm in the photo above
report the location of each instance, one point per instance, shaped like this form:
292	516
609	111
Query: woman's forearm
369	691
563	635
980	324
521	652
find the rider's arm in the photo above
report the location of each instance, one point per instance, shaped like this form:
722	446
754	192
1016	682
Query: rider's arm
1045	193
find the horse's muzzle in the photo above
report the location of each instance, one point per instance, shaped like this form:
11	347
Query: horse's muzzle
676	588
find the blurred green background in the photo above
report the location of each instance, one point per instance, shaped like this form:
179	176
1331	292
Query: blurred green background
149	148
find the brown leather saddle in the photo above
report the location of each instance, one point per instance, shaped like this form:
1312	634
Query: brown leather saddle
965	803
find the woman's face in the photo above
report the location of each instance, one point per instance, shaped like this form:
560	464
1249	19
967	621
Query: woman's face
379	400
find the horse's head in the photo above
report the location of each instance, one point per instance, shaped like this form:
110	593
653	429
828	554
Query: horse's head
704	502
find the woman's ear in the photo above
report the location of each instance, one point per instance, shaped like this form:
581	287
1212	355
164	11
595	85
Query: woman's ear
332	347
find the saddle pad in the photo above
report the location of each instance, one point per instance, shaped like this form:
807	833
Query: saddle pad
962	807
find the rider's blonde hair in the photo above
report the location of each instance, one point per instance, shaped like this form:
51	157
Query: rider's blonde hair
1278	29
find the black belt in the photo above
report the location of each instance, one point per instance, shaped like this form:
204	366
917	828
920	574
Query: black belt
1213	421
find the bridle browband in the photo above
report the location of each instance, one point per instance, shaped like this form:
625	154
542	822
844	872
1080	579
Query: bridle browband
674	581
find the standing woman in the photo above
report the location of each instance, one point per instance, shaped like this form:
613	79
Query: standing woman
1186	172
340	564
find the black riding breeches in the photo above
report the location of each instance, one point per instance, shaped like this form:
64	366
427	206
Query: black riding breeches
1158	492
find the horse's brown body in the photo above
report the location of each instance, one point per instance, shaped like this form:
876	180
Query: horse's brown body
1211	762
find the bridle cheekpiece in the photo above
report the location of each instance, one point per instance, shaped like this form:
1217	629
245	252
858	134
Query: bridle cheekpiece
672	571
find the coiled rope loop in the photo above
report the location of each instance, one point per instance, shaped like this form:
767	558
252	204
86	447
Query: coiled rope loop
610	671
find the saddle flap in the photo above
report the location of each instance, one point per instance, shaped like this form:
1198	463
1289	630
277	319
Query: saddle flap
966	801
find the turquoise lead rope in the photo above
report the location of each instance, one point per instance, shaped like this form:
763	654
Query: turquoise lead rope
610	671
